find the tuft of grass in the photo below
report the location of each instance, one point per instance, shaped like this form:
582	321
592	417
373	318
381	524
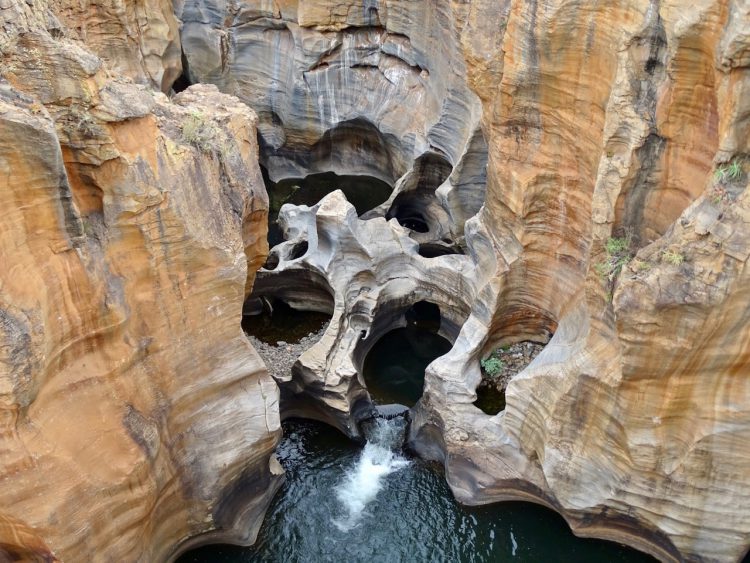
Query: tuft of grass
673	257
729	172
199	131
619	253
641	265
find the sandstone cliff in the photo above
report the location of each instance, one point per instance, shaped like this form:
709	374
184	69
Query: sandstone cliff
134	226
598	124
135	414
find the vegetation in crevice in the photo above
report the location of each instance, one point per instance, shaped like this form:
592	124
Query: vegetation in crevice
199	131
619	251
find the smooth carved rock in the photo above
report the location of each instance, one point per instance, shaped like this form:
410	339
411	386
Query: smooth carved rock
366	274
346	89
599	121
593	120
134	414
629	422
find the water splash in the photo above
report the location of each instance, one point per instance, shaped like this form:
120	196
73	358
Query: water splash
364	479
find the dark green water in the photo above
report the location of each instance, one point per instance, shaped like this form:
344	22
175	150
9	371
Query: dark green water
394	367
363	192
412	519
284	324
490	399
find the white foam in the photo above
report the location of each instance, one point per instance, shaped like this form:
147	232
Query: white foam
364	480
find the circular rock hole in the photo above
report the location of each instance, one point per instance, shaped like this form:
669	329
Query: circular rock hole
272	262
414	222
298	250
278	324
363	192
394	367
499	366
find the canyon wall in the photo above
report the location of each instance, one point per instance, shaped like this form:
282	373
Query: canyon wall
600	124
612	121
134	414
526	137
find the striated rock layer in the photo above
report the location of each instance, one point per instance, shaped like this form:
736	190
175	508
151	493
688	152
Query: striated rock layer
598	121
134	414
526	135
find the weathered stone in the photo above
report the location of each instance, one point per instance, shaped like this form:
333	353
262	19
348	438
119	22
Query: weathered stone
593	121
134	414
599	121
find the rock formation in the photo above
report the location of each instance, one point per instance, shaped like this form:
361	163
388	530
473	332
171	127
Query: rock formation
366	274
600	123
134	414
533	137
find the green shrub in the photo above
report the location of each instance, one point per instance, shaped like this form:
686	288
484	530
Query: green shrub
618	254
492	365
729	172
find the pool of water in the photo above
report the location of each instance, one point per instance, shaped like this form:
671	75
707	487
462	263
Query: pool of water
283	324
326	512
394	367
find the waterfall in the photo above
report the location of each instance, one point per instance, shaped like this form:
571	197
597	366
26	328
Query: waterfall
379	458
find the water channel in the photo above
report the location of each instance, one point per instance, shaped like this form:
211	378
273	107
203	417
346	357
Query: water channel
342	502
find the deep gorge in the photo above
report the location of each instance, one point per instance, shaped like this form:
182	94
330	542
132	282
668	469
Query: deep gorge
544	201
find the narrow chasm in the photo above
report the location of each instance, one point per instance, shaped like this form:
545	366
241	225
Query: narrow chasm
348	313
375	281
372	315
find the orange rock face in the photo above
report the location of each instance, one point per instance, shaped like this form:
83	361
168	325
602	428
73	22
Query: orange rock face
134	414
613	121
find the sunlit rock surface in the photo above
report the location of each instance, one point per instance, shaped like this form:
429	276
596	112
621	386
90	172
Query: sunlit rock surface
132	245
134	414
633	422
599	122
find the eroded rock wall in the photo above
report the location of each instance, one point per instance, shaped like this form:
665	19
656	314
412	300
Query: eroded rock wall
601	120
349	88
598	121
612	121
134	413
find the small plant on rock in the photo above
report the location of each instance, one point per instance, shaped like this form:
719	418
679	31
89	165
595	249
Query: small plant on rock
492	365
729	172
640	265
200	132
619	253
673	257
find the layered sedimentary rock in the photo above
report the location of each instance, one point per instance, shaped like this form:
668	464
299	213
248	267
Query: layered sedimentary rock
352	89
120	337
134	413
600	122
138	39
605	122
